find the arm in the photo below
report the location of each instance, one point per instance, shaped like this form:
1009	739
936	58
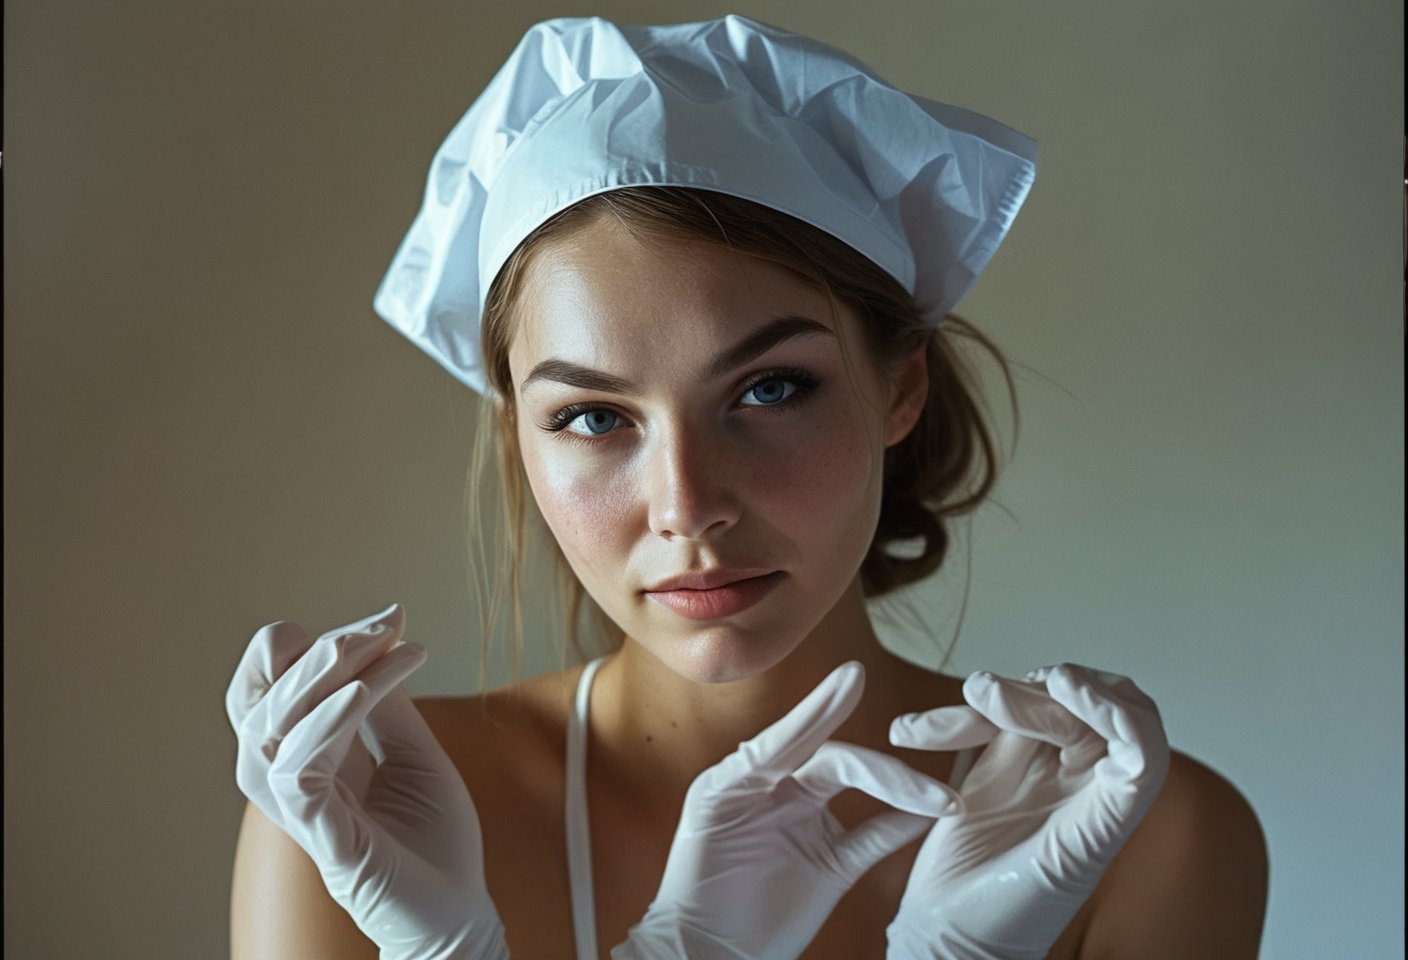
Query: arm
1192	880
279	908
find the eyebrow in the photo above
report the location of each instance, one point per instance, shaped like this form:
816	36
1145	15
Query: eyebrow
750	347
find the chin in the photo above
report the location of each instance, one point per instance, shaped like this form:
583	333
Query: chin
721	654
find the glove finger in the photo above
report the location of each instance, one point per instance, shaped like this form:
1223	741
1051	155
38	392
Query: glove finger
1005	764
384	677
837	766
270	652
304	788
274	648
782	747
261	734
409	754
332	660
1003	769
1080	758
1115	685
943	728
868	843
962	765
1026	708
318	810
1121	713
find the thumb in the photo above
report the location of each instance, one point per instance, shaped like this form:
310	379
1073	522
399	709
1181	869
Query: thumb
395	731
408	753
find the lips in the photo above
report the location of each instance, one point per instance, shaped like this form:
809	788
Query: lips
720	601
709	579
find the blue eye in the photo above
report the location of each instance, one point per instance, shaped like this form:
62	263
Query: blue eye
771	391
594	419
779	389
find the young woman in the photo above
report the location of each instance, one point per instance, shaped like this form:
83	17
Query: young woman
732	399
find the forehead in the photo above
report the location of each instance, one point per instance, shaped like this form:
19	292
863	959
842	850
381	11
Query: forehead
603	293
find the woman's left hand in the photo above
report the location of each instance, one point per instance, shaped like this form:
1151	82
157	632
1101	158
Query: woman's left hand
758	861
1074	759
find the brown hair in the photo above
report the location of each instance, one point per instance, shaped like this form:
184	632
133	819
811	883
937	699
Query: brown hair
944	468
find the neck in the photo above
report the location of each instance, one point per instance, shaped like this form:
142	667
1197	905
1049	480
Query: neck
654	731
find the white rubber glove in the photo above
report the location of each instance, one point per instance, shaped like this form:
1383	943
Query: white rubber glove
1075	758
403	854
758	862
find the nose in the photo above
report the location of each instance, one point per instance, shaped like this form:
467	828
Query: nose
688	486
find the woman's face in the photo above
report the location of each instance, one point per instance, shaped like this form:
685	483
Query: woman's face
656	445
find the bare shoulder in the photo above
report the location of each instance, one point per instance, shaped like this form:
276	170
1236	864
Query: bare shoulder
1192	879
509	733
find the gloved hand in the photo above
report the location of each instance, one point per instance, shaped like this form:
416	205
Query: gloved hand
758	862
404	858
1075	758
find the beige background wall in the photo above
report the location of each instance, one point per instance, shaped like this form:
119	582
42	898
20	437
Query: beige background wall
206	427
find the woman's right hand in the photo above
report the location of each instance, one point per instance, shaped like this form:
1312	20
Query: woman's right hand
405	857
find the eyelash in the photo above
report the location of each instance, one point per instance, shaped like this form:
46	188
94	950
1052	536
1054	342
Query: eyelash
804	381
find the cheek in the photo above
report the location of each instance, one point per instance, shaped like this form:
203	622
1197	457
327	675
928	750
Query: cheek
585	511
824	487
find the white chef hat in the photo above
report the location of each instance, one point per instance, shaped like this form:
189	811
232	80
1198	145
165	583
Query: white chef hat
924	189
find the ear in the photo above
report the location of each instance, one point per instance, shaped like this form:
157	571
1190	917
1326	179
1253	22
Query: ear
908	394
